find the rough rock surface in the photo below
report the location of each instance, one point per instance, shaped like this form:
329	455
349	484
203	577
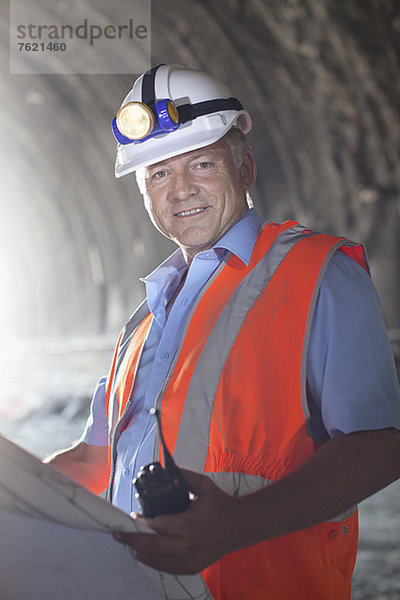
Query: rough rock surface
321	81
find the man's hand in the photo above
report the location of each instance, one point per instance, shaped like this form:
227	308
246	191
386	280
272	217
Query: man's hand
84	463
343	472
187	542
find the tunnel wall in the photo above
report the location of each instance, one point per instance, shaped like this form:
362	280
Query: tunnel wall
320	79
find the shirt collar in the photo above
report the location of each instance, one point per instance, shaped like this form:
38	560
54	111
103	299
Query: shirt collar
241	237
164	278
239	240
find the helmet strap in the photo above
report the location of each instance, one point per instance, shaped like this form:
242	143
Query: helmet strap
148	85
189	112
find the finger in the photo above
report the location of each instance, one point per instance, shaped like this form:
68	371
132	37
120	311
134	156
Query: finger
171	524
197	483
150	544
168	564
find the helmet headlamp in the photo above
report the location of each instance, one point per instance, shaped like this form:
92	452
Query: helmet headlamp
136	121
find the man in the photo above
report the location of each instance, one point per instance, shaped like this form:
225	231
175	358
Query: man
264	349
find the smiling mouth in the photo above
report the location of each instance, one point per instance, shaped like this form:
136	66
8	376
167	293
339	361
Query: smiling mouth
189	213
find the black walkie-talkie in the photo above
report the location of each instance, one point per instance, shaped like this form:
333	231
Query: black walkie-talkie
161	491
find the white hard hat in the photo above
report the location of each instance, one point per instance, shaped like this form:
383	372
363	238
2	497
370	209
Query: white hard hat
171	110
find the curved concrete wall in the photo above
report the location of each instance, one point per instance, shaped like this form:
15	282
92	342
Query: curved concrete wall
319	78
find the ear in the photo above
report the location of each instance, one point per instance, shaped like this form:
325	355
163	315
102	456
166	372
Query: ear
248	170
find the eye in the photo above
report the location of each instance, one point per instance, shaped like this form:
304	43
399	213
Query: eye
204	164
159	174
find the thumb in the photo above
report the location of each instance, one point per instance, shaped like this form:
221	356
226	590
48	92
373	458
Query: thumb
197	482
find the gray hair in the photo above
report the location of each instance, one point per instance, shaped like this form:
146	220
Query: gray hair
238	145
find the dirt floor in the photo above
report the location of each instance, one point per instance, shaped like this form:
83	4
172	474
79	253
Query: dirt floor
377	574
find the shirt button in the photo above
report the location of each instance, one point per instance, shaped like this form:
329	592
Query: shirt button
125	472
165	356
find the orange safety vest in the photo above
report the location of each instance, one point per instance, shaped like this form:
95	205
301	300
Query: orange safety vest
234	405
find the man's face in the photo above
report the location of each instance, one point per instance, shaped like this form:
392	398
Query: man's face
194	198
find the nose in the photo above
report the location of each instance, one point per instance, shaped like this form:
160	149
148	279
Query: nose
183	186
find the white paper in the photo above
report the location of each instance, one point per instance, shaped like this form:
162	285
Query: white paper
41	560
55	541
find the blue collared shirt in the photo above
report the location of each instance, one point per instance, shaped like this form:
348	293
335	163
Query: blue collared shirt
351	380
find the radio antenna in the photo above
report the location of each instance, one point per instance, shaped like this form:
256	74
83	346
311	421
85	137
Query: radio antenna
170	465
